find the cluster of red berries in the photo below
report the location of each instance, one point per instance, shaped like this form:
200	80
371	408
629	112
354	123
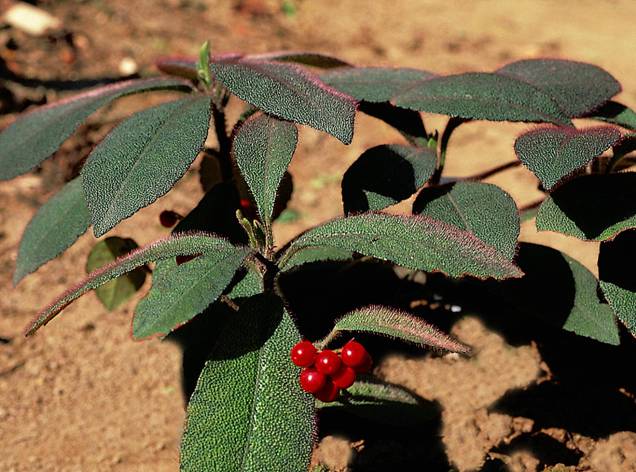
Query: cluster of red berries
325	373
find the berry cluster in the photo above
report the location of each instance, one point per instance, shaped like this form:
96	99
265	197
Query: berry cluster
325	373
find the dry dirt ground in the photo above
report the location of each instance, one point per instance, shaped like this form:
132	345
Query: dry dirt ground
81	396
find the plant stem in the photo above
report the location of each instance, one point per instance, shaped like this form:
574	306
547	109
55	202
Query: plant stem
452	124
225	160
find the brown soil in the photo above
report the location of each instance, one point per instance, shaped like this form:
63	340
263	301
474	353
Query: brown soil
82	396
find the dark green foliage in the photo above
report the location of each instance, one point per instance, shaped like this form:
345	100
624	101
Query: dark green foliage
555	153
374	84
482	96
180	292
185	245
289	92
263	148
414	242
561	292
396	324
593	207
142	158
36	135
316	254
383	402
616	113
247	412
54	228
385	175
618	282
481	209
116	292
578	88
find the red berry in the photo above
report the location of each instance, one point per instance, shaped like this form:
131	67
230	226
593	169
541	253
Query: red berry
365	366
169	218
328	393
245	204
303	354
354	354
344	378
311	380
327	362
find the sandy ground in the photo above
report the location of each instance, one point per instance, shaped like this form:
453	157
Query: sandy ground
81	396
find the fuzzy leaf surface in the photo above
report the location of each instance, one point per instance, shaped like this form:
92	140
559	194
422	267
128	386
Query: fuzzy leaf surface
37	134
385	175
481	96
577	87
415	242
372	399
248	412
54	228
560	291
116	292
397	324
554	153
316	254
616	272
263	148
591	207
481	209
374	84
180	292
617	114
289	92
142	158
182	245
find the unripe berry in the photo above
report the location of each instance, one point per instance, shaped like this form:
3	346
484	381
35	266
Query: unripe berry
344	378
311	380
327	362
328	393
354	354
303	354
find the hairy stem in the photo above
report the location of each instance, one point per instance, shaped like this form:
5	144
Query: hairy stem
452	124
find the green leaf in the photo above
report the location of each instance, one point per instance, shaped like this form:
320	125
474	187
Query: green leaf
385	175
180	292
263	148
578	88
289	92
616	113
375	400
415	242
316	254
374	84
305	58
560	291
36	135
555	153
250	283
112	294
203	65
248	412
184	245
396	324
591	207
616	271
483	210
54	228
142	158
482	96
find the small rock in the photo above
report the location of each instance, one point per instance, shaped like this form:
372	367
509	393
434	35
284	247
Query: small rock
32	20
128	66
